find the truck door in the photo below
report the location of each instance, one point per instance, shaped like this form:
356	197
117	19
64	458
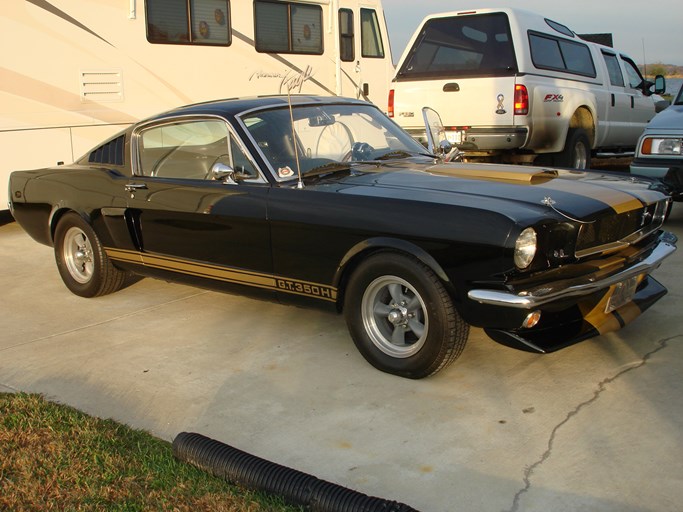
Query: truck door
617	109
642	106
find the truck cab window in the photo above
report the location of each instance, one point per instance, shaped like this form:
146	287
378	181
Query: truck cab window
615	76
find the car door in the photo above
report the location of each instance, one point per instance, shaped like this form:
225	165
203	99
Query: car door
187	221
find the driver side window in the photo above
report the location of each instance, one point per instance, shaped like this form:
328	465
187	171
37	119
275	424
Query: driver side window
190	149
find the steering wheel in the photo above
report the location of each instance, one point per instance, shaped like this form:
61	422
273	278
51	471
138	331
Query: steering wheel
360	151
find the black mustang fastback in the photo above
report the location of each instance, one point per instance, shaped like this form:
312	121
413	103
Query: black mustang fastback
326	200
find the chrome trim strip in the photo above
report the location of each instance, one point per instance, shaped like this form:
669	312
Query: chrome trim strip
526	300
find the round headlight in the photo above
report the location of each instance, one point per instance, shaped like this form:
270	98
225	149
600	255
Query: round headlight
525	248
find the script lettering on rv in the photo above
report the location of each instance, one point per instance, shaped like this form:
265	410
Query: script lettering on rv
290	80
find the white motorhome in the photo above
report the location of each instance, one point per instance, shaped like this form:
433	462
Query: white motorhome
73	72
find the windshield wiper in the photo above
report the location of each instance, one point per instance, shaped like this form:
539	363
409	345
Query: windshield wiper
328	168
400	153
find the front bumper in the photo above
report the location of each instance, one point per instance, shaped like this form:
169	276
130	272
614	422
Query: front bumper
586	285
573	310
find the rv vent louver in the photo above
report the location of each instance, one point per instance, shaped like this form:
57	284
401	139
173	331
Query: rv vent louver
110	153
101	86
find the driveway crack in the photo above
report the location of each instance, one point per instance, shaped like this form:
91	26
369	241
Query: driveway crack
602	386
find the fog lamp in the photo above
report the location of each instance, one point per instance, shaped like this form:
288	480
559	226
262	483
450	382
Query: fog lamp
531	319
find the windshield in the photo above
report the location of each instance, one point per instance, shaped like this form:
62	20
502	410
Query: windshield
327	137
679	97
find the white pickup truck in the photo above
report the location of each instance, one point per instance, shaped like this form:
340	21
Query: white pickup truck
515	87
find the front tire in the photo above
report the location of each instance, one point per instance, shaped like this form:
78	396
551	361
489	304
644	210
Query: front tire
401	318
81	260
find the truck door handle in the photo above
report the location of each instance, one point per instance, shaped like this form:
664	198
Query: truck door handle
633	102
613	99
452	87
132	187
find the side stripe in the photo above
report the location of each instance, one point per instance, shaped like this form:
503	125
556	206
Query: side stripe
225	274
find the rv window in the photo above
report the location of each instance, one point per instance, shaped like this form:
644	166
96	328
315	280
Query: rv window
615	75
287	27
561	55
205	22
346	35
370	37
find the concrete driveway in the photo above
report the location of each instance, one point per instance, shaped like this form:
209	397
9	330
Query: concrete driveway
597	426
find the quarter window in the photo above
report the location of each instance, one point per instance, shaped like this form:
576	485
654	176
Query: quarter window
370	37
287	27
203	22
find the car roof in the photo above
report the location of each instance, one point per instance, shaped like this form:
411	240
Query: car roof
234	106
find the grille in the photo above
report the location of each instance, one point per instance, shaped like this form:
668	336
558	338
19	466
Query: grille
621	229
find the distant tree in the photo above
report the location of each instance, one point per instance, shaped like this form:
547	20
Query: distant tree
656	69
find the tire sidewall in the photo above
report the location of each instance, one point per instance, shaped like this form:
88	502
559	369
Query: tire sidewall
427	359
92	287
576	137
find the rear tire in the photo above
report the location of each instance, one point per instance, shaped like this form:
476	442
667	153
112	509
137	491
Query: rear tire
401	318
577	150
81	260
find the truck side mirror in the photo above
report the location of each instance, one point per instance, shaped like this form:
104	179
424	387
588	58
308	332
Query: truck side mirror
660	84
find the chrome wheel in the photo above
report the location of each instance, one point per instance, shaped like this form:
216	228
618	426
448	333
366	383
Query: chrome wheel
580	156
394	316
77	253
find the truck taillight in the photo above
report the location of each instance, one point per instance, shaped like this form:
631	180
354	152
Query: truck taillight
521	100
391	103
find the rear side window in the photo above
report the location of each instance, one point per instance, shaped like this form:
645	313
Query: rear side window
288	27
204	22
561	55
613	69
463	46
346	35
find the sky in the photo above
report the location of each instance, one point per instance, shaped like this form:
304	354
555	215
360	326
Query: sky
640	28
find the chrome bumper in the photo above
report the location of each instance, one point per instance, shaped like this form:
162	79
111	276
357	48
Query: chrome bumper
585	286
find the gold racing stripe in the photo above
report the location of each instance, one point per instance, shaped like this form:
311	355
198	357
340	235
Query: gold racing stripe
226	274
608	322
618	200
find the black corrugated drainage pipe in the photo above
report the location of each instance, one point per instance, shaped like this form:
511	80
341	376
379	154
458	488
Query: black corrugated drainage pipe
293	486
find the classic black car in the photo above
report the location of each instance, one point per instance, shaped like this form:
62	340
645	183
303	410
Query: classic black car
327	201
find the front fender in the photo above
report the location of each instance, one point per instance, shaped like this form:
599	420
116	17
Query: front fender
353	257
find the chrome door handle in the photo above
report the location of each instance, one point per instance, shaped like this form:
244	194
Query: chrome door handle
132	187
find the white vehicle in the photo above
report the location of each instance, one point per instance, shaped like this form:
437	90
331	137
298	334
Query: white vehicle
511	85
73	72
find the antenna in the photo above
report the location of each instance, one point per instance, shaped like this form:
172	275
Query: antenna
300	183
644	60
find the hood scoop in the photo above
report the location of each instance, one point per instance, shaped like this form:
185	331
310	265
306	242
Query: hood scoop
508	173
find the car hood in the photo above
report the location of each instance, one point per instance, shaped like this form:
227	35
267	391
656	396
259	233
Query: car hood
669	119
506	189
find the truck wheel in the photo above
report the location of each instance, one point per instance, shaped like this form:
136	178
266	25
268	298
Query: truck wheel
577	150
81	260
401	318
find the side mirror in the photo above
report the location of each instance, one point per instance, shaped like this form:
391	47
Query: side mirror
660	84
436	133
224	173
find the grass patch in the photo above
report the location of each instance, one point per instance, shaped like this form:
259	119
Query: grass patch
53	457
